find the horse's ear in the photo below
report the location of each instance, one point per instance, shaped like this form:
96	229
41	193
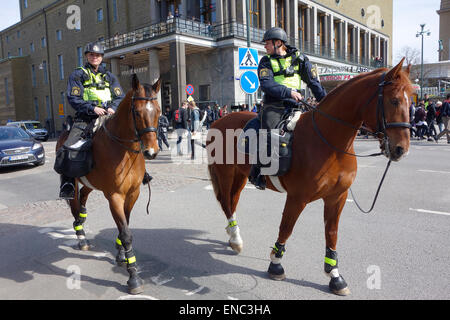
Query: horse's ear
408	69
134	81
392	74
157	85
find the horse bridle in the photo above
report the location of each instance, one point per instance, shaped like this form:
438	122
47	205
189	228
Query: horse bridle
138	133
382	124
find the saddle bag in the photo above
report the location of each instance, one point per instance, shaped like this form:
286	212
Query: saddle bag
74	159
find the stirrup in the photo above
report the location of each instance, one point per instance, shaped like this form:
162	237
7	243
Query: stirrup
66	193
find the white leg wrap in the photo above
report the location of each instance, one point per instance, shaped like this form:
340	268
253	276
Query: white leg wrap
274	259
333	273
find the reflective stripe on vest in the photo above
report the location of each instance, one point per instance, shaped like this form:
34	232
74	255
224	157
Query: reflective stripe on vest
91	92
293	82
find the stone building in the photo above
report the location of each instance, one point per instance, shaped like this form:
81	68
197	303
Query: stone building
198	46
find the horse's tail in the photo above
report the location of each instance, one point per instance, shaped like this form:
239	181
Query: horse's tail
214	181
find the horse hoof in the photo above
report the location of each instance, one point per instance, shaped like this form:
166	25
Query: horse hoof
135	285
83	245
342	292
339	286
276	272
236	247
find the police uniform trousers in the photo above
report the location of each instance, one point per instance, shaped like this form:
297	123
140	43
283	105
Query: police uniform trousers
271	115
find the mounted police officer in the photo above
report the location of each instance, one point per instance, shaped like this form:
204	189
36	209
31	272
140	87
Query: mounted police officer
93	92
280	74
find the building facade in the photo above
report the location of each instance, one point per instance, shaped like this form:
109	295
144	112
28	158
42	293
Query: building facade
444	30
196	44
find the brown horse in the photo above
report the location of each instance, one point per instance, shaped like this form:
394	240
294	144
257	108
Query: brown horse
323	166
119	148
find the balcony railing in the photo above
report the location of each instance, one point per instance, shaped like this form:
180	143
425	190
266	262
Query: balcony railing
228	30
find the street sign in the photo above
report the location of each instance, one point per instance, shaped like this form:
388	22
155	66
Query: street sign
248	59
249	82
189	89
61	110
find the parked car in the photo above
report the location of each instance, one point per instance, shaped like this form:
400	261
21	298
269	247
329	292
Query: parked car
17	147
32	127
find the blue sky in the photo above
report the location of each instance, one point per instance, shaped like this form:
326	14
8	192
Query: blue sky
408	15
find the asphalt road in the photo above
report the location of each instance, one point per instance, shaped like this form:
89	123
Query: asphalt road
399	251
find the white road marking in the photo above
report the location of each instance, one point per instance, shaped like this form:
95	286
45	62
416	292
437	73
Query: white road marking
190	293
137	297
434	171
431	211
159	281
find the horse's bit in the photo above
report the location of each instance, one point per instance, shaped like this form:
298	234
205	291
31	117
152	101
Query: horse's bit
137	133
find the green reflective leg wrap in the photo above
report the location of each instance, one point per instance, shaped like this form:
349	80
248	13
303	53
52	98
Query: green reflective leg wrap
331	261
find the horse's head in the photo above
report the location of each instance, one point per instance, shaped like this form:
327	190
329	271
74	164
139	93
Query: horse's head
392	112
146	112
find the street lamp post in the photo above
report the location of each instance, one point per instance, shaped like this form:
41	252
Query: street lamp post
421	33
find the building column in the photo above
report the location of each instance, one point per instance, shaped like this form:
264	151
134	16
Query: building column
177	59
287	24
154	70
314	28
346	40
326	44
154	14
294	21
332	35
233	10
219	12
115	66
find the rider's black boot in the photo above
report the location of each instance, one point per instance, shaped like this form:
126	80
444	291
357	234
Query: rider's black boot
257	178
67	188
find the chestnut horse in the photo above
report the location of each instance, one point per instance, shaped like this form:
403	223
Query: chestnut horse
323	163
119	148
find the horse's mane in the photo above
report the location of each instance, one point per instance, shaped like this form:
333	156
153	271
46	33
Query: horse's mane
401	83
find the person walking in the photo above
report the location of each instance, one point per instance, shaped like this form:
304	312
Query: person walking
445	111
163	126
181	124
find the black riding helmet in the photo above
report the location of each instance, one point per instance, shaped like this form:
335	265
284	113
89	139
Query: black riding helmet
94	47
275	33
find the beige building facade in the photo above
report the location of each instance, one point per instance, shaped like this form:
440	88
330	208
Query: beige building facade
444	30
198	46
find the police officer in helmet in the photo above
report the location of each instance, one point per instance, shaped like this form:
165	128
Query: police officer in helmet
280	74
92	91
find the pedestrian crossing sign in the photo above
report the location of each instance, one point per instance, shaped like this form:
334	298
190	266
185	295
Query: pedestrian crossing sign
248	59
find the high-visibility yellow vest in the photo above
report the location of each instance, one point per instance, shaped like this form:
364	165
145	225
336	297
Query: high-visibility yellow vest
279	65
96	87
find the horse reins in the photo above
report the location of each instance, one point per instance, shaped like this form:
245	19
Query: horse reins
382	125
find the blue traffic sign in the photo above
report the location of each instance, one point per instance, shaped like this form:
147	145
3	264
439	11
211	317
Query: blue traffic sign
249	82
248	59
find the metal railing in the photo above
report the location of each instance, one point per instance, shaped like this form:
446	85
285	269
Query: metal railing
228	30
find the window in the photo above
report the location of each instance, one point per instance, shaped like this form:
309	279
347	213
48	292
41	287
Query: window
279	13
80	56
61	67
36	109
32	47
6	92
7	39
33	76
25	4
47	106
207	10
254	13
43	42
115	12
44	67
18	34
20	52
204	92
58	35
99	15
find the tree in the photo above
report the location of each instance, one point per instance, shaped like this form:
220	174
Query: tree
412	55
